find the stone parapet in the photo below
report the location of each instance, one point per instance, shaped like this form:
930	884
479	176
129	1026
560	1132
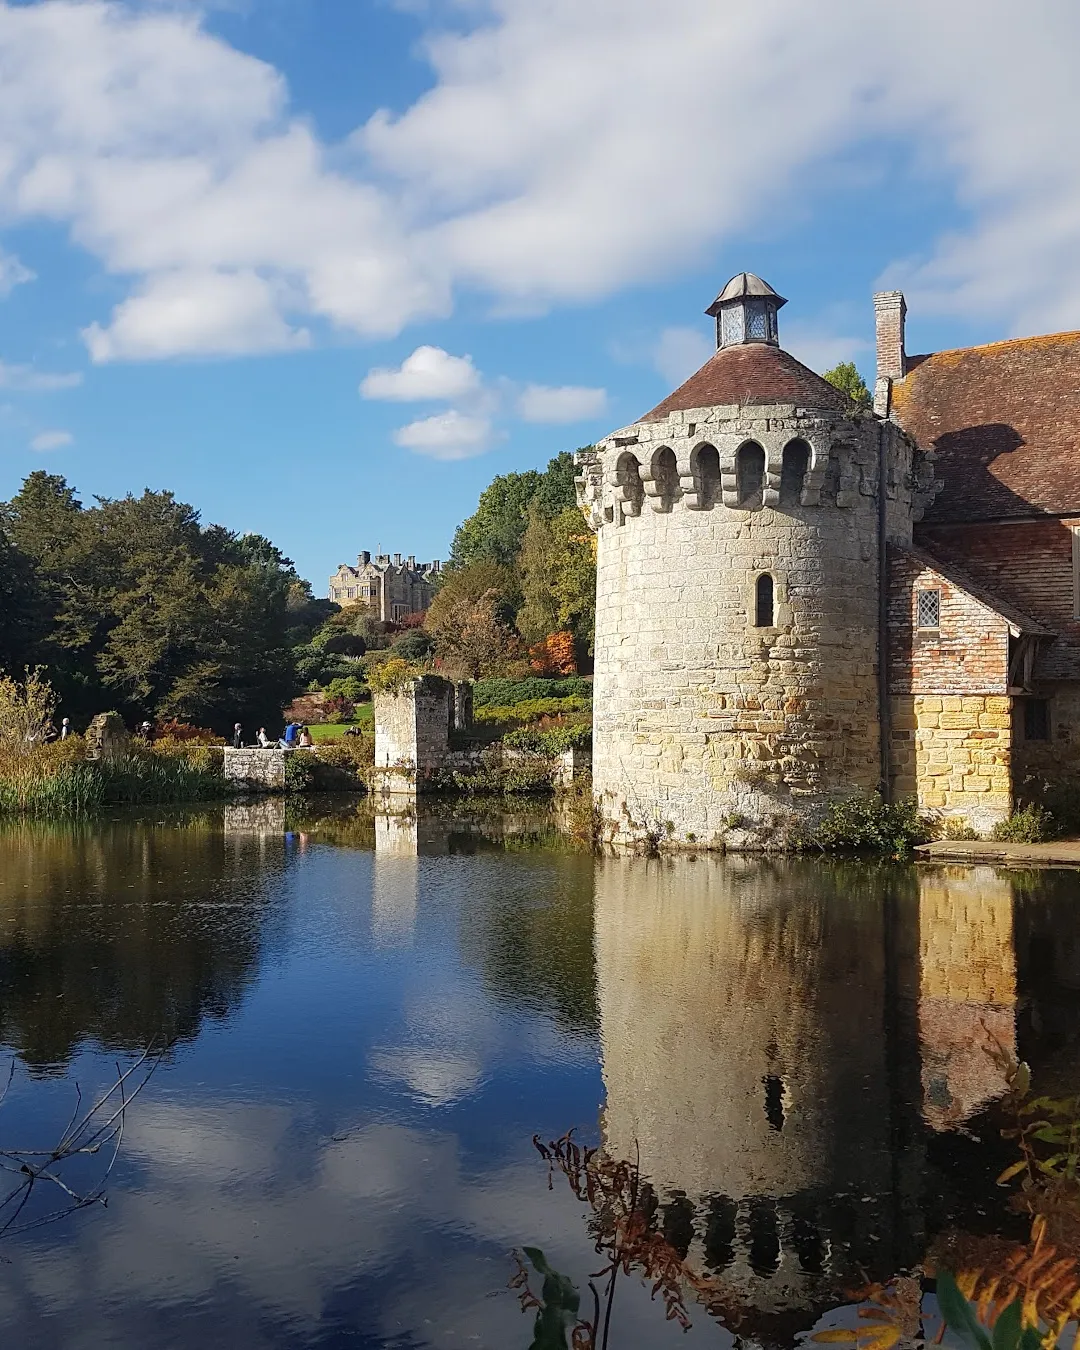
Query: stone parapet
255	769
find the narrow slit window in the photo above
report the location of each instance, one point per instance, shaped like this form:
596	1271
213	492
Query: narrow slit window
764	602
928	609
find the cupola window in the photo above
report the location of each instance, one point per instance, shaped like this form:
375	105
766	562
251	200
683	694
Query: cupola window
745	311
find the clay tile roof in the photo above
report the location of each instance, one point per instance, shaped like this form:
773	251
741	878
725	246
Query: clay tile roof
1015	618
753	373
1004	421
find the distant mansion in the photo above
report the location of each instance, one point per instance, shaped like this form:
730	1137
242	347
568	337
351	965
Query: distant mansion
392	589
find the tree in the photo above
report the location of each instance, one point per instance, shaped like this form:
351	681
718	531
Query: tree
846	377
470	623
22	605
151	612
558	577
495	531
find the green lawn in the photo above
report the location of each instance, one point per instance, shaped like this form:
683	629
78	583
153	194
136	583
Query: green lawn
332	731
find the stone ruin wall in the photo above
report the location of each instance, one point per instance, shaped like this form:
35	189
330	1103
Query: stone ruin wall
706	728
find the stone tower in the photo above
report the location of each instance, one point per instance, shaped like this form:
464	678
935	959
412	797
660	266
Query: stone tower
741	544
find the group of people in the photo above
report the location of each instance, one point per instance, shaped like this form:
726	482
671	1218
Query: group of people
296	737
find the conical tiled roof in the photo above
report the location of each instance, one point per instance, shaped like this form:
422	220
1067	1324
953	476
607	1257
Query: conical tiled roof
753	373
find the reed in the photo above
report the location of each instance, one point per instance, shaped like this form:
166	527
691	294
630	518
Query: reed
56	779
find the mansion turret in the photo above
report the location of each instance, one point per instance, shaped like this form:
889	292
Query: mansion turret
391	588
800	598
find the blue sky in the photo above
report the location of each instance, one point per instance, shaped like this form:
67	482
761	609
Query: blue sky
324	267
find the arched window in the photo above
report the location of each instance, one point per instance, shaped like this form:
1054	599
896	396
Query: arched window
793	469
750	474
764	602
705	466
628	477
665	470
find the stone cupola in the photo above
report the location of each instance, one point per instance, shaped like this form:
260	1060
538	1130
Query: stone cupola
745	311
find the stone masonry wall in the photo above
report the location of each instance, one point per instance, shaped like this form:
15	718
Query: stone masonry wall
707	728
255	769
412	732
950	743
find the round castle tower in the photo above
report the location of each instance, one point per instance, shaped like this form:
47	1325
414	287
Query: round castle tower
741	542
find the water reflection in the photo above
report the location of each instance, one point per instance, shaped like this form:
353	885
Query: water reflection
125	934
786	1043
381	1010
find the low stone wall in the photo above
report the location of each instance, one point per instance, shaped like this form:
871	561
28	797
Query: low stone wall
256	770
953	753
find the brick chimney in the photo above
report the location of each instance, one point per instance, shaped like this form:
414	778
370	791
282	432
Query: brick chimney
889	313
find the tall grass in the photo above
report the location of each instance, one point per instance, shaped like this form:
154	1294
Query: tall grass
56	780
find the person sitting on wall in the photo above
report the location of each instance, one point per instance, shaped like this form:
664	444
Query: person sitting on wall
265	743
288	741
305	740
238	736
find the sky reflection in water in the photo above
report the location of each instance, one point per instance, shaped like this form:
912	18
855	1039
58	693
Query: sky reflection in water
373	1017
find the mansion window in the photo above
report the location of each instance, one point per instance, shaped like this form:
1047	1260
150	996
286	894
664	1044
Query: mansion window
928	609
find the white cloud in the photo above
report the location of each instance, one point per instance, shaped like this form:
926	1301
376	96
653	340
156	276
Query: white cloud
12	273
678	352
446	435
525	170
429	373
819	349
52	440
566	403
25	379
195	314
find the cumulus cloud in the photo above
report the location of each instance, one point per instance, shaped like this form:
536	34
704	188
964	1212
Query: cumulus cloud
12	273
429	373
565	403
446	435
525	171
195	314
25	379
52	440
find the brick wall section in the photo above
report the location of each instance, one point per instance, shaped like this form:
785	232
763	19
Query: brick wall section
968	654
950	714
1028	563
889	312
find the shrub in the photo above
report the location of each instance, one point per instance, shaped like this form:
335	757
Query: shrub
414	645
555	655
549	741
349	687
299	771
869	825
176	731
521	691
391	675
525	774
532	710
1032	824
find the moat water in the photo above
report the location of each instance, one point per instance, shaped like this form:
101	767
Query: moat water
369	1019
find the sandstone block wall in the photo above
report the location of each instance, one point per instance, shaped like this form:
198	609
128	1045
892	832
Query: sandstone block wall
708	728
953	753
256	770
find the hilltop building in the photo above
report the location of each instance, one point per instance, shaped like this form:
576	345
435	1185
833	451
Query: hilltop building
391	588
799	598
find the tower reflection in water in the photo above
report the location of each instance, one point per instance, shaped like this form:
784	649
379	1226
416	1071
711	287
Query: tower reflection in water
785	1043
